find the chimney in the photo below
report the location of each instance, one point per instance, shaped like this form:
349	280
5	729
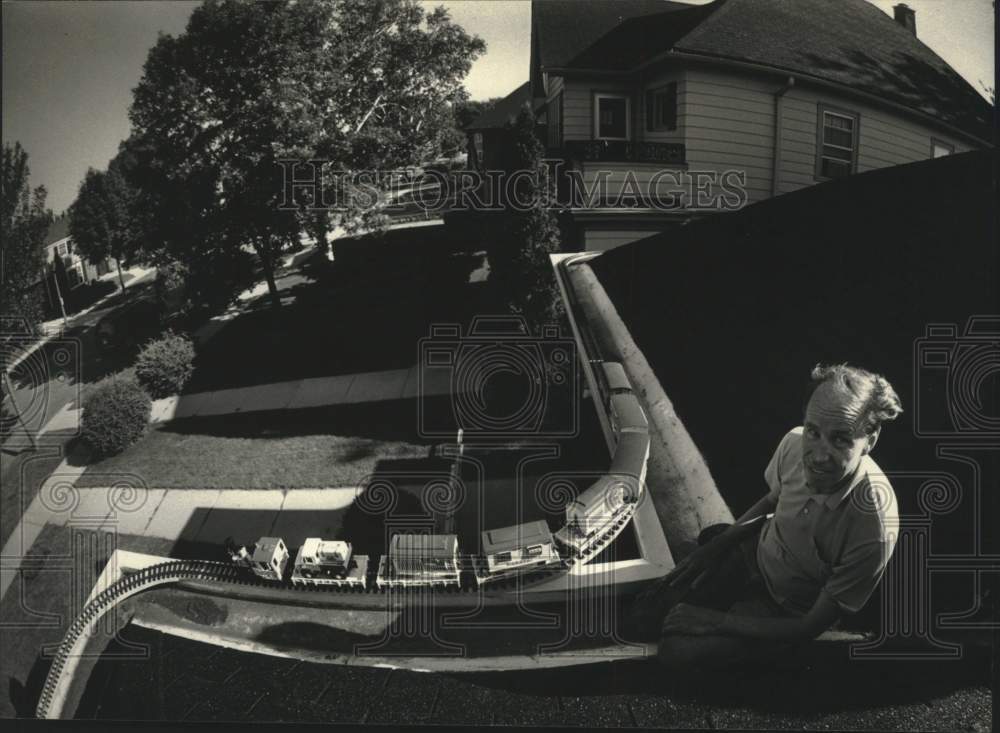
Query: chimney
906	17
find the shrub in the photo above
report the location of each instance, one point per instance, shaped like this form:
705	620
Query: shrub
171	288
165	365
115	415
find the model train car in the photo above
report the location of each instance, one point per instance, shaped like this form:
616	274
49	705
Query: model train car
420	560
329	562
596	511
515	550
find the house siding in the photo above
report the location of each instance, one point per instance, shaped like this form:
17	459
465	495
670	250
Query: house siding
729	125
726	121
729	122
884	139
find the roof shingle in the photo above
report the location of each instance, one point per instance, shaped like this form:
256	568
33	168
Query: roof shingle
847	42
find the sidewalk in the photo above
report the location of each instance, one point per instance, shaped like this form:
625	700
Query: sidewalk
55	326
344	389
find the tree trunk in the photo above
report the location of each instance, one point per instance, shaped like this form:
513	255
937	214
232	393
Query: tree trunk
121	279
267	262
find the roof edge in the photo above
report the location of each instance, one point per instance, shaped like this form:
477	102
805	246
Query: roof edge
818	80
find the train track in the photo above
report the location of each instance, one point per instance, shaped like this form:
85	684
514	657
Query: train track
53	695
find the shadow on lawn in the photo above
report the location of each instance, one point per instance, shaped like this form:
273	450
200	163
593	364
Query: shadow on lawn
364	312
390	420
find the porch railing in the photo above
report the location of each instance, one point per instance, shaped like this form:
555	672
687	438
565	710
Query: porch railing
625	151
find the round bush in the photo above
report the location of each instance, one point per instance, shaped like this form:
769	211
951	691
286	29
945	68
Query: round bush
115	415
171	288
165	365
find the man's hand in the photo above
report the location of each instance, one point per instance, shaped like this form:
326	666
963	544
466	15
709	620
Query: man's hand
698	565
693	620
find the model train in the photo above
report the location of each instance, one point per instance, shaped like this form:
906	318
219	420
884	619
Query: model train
592	520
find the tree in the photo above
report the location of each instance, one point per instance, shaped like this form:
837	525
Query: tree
101	221
520	267
469	110
25	224
249	85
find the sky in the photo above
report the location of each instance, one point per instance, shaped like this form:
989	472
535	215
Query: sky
69	67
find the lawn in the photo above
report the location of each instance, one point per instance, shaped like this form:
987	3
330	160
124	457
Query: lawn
312	448
364	312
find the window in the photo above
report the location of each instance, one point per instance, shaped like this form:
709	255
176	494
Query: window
62	249
477	145
611	117
661	108
503	557
532	550
837	143
554	118
940	149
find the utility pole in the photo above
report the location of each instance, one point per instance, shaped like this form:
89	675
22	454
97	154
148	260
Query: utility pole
62	305
9	388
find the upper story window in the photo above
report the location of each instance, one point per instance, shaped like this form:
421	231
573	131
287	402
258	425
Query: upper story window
661	108
554	119
612	117
940	149
62	249
837	143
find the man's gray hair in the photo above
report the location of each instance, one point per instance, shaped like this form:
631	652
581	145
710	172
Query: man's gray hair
879	401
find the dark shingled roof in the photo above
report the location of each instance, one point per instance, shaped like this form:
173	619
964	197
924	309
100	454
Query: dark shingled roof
849	42
59	229
505	110
566	28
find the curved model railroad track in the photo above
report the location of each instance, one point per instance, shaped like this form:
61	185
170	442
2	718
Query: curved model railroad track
52	699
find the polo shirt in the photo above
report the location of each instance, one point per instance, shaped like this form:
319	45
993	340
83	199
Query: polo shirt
839	543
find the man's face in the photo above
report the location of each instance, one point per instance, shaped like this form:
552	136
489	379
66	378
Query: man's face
833	442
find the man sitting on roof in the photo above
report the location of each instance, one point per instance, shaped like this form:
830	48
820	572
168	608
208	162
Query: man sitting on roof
813	548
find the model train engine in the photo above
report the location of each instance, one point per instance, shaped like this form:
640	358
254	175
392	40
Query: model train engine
424	560
511	551
267	559
597	511
329	562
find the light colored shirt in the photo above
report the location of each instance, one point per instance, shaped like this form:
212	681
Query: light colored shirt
838	543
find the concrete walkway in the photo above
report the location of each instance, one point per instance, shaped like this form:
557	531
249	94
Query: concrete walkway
344	389
135	510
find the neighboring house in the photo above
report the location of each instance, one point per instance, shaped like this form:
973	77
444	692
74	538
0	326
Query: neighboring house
789	92
488	135
59	246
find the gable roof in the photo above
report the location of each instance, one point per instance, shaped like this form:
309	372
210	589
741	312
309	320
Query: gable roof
58	229
847	42
505	110
566	28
